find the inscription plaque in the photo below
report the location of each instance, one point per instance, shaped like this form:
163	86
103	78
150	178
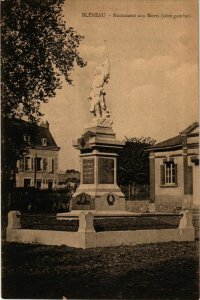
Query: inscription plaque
88	171
106	170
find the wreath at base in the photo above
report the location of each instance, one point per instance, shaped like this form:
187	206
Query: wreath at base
110	199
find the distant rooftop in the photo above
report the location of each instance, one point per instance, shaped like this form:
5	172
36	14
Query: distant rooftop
43	132
40	132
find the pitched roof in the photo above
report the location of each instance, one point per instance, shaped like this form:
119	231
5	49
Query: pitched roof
39	132
173	142
42	132
176	141
190	128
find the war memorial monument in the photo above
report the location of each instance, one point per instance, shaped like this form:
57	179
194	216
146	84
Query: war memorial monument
98	146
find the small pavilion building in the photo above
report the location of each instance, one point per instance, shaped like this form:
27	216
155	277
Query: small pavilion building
174	171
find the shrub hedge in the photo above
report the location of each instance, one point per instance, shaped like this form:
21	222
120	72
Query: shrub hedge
41	201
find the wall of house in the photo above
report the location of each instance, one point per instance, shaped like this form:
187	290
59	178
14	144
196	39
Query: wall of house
195	177
172	198
196	190
45	176
169	198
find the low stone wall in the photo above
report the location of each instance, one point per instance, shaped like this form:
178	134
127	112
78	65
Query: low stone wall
168	205
137	206
195	220
132	238
45	237
87	237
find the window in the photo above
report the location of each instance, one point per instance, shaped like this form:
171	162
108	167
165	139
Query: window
27	163
168	173
27	182
38	164
44	141
50	184
27	138
39	183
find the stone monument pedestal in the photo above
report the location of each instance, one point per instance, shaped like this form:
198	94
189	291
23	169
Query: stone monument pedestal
98	188
98	146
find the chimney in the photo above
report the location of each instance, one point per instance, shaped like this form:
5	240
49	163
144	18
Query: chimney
45	125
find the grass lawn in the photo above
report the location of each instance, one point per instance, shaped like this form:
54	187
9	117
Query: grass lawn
153	271
49	222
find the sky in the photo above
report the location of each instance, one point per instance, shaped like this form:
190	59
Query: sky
153	89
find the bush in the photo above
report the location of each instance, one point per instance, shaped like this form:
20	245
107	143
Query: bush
41	201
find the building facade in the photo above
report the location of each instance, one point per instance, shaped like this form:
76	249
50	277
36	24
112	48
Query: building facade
39	168
174	171
70	176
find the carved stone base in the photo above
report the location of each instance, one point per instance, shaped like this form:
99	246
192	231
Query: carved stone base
100	122
98	189
108	201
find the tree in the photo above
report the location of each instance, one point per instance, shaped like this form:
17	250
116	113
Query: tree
133	161
18	137
38	51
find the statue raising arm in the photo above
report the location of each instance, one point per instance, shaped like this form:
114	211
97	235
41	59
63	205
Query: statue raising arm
97	95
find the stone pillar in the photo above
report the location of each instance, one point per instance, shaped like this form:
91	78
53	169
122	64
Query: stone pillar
196	190
86	230
152	176
86	220
14	221
186	220
187	170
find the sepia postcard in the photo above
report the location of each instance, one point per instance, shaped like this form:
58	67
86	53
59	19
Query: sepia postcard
100	149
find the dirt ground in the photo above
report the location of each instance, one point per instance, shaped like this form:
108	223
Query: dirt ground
153	271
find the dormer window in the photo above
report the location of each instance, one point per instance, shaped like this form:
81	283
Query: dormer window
44	141
27	138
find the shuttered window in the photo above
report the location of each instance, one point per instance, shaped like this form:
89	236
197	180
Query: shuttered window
176	174
49	164
32	164
21	164
38	162
162	174
56	165
45	163
53	165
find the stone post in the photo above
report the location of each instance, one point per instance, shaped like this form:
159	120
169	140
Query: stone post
186	220
14	221
86	229
86	220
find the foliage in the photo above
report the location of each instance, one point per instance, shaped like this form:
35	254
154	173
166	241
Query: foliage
133	161
37	50
139	191
69	171
35	200
17	137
